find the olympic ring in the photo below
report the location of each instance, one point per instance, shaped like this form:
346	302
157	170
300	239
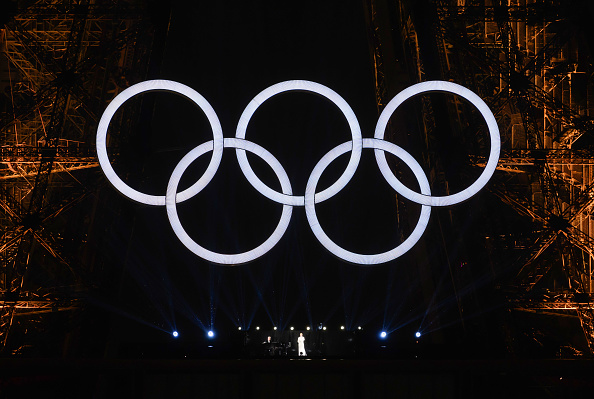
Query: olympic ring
159	85
214	257
475	100
351	256
314	88
286	198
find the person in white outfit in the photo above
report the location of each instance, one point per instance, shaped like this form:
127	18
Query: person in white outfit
301	345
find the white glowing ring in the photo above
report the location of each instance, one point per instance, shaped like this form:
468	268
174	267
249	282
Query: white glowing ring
475	100
311	197
303	85
227	259
379	145
159	85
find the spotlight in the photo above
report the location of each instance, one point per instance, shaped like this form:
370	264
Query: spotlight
342	327
383	334
257	327
418	334
175	334
210	334
307	328
324	328
292	328
274	328
239	328
359	328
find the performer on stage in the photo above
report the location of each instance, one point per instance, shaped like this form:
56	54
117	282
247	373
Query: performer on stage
301	345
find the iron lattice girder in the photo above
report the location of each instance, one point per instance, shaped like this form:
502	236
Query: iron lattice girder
10	239
540	306
532	157
20	154
553	224
519	78
72	76
562	300
525	76
28	307
29	169
553	218
583	311
23	161
73	51
530	13
517	69
104	10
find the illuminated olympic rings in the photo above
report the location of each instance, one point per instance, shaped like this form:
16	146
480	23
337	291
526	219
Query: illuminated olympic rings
286	197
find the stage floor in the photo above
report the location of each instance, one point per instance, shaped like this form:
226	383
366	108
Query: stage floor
294	378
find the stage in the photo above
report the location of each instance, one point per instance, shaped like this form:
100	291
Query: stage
294	378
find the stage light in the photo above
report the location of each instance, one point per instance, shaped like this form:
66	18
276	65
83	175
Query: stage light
359	328
274	328
324	328
342	327
257	328
239	328
210	334
292	328
175	334
418	334
383	334
307	328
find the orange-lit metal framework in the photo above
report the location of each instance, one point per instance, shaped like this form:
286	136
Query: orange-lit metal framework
62	63
530	61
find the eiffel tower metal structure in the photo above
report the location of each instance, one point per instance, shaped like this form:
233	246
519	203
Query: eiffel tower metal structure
63	61
531	62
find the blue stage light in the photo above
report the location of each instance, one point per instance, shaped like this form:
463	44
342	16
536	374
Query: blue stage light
175	334
383	334
418	334
210	334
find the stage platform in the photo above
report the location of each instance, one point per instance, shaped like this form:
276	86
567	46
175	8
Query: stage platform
294	378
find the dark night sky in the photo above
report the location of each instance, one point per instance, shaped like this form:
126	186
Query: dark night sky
229	52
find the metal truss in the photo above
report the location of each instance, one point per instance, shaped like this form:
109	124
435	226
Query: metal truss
560	304
65	61
530	47
523	58
23	161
